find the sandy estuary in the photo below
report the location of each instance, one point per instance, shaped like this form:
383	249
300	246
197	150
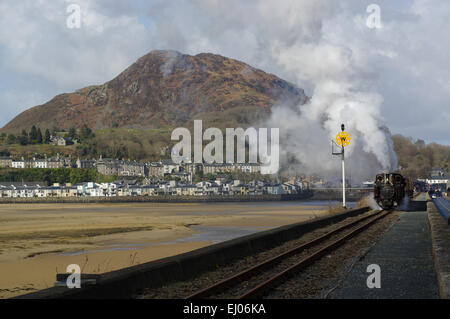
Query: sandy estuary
37	241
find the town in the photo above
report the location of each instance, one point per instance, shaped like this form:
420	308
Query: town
167	178
156	179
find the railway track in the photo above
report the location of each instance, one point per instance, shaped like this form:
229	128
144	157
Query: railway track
257	280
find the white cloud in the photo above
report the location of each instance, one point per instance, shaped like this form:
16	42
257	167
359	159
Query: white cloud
36	41
397	74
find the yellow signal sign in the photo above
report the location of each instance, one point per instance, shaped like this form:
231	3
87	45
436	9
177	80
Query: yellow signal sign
343	139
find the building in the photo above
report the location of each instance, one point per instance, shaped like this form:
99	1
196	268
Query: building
444	179
60	141
23	163
128	168
6	191
170	167
150	190
217	168
193	168
155	169
40	163
108	167
438	176
5	162
436	172
274	189
86	163
289	188
90	189
120	168
249	167
19	189
55	162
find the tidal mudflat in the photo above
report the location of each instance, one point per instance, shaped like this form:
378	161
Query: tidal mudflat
39	240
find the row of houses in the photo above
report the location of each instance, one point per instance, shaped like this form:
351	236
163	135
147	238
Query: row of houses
120	167
109	166
184	171
172	188
52	162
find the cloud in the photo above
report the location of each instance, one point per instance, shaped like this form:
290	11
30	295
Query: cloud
35	40
37	47
298	40
395	76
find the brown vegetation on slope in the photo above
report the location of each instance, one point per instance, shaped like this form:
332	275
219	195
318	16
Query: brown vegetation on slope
417	158
166	88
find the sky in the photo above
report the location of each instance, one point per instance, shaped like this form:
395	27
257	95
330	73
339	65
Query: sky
398	71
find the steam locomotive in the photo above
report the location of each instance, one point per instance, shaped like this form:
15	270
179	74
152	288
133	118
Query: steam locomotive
390	190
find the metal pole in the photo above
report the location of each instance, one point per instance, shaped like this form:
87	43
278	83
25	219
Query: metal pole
343	179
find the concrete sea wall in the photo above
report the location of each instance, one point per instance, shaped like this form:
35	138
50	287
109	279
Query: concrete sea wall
157	199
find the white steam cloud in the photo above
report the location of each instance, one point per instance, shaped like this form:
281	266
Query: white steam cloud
300	40
323	46
340	95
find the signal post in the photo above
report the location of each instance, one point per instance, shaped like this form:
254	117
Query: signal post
343	140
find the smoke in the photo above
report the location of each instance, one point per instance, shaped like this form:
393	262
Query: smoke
340	95
342	91
372	203
319	46
171	59
301	40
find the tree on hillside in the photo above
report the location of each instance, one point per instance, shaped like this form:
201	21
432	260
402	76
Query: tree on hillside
5	152
417	158
33	134
72	133
23	138
39	136
428	154
86	133
420	143
11	139
47	136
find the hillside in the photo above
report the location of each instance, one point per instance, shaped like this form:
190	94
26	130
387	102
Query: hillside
167	88
133	114
417	158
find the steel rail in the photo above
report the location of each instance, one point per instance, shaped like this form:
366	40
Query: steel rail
276	279
225	283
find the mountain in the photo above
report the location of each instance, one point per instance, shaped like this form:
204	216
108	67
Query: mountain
167	88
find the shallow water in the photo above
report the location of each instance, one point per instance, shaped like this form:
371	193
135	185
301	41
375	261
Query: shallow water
217	234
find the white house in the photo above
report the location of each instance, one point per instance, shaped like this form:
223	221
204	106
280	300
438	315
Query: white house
438	179
40	163
274	189
18	164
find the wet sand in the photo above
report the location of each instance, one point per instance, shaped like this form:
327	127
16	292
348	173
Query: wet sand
39	240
